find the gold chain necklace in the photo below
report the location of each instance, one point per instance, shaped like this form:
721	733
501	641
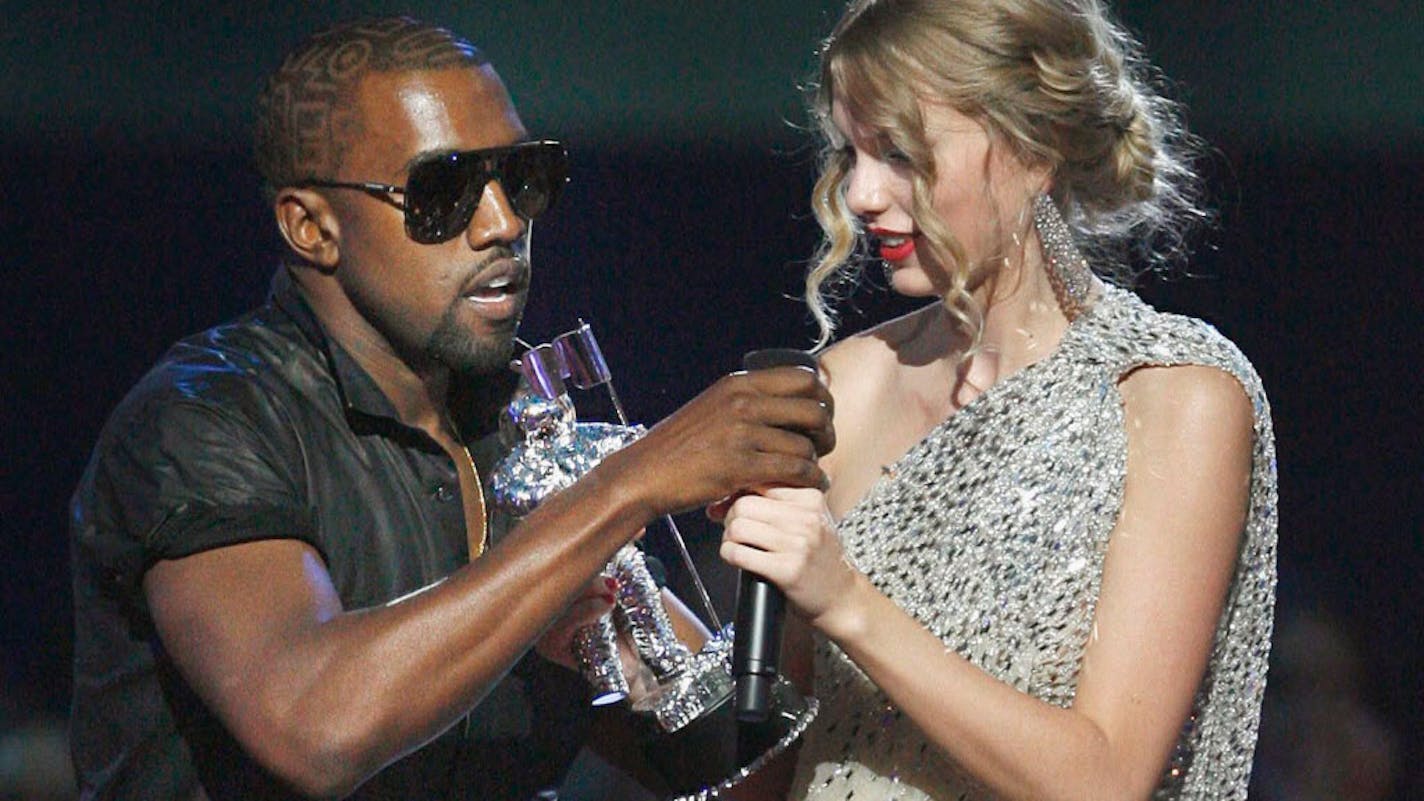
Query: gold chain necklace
478	544
477	548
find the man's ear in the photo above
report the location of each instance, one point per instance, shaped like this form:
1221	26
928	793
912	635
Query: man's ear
309	226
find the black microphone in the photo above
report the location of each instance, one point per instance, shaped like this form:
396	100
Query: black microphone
761	607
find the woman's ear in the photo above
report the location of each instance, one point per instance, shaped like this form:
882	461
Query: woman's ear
309	226
1040	179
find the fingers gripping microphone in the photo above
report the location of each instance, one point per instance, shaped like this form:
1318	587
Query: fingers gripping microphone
761	607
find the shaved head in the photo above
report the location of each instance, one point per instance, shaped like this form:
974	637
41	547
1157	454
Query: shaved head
306	114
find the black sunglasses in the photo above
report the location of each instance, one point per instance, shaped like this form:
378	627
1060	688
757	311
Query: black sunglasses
444	190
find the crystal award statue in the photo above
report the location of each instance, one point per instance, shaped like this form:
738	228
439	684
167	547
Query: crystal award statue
684	698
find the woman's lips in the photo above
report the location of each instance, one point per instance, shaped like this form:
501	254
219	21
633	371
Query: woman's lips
896	249
894	246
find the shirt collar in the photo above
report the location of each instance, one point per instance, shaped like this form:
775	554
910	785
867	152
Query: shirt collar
361	398
475	400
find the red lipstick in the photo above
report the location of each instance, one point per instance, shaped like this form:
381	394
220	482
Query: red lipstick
893	246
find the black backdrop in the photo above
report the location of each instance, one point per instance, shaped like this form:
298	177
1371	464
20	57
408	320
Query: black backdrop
683	254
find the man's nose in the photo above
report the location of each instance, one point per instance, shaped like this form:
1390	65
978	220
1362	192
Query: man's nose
495	220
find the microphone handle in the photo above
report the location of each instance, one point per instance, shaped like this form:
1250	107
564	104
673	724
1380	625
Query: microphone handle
761	606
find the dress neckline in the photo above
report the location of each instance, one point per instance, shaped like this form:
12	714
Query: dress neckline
889	473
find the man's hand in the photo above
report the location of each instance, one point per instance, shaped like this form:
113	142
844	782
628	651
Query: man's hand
324	697
748	430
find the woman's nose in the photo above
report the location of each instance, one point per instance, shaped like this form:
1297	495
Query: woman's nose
866	189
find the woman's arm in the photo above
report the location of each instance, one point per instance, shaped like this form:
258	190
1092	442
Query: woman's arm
1170	560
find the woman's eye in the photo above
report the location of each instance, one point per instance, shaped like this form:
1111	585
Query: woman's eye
896	157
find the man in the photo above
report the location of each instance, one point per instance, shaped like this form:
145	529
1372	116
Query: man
286	579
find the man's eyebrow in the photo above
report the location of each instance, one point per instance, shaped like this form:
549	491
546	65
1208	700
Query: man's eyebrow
426	155
437	152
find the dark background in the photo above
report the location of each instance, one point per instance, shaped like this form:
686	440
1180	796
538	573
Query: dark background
130	218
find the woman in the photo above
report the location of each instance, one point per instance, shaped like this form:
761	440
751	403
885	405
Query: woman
1045	565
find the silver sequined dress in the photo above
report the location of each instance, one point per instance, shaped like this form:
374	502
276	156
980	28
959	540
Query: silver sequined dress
992	532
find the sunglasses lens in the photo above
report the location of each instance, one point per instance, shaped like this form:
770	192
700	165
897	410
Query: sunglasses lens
442	193
438	201
533	175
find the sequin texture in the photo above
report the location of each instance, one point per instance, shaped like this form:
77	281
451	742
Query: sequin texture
992	532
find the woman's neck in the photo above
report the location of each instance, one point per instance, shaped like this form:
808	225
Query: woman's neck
1023	321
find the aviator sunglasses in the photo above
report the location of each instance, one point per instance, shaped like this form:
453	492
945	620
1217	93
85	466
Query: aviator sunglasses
443	190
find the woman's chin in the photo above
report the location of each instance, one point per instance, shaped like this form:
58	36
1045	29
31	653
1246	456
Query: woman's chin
911	282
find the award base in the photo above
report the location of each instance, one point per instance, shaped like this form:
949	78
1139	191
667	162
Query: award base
697	744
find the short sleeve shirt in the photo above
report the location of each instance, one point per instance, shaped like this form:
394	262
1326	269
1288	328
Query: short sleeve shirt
265	428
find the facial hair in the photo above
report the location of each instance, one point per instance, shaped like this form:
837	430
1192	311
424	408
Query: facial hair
457	348
464	352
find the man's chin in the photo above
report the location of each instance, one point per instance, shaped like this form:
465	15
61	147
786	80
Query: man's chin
488	362
474	347
487	355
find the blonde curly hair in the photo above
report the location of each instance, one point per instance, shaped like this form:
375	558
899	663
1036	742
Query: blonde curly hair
1058	82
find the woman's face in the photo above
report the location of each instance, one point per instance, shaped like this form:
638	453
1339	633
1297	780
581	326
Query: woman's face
981	194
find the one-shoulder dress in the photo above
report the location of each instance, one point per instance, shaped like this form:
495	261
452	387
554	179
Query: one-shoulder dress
992	532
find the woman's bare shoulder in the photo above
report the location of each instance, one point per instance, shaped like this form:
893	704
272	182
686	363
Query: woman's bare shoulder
863	363
866	374
857	365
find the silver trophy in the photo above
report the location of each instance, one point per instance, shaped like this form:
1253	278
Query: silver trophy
685	697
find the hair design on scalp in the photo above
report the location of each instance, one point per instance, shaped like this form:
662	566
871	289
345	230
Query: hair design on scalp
305	112
1058	82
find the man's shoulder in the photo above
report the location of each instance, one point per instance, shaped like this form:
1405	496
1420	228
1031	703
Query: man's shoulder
262	350
248	367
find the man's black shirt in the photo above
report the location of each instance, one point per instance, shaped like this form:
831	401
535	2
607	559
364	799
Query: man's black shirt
265	428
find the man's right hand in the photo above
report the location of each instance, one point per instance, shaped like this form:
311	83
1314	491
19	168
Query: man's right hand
748	430
324	697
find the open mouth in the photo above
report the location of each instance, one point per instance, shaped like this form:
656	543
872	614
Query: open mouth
495	291
498	283
893	246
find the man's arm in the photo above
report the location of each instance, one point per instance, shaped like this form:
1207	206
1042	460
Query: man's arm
325	697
